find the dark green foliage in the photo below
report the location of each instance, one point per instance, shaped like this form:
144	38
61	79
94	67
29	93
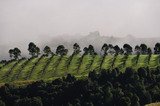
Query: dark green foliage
76	48
2	103
90	50
149	51
14	53
117	49
157	48
33	49
137	49
47	51
143	49
35	101
127	49
61	50
105	48
108	88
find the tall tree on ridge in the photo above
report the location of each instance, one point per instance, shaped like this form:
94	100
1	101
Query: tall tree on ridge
157	48
111	49
117	49
143	48
137	49
91	50
76	48
33	49
127	49
47	50
61	50
15	53
105	48
11	53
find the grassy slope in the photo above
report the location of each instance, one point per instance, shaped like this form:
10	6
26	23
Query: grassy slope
5	69
86	62
120	62
107	62
73	67
57	68
38	69
51	67
1	65
143	61
131	61
96	63
26	70
14	71
154	61
62	67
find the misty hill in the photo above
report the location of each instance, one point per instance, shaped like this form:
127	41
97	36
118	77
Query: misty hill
95	39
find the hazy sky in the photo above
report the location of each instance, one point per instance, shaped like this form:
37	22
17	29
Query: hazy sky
26	19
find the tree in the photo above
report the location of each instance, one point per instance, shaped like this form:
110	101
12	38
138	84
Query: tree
125	101
33	49
149	51
104	48
2	103
65	52
137	50
111	49
135	100
121	51
157	48
143	48
35	101
76	48
127	49
117	49
108	96
129	72
92	75
37	51
47	50
11	53
91	50
15	53
61	50
85	50
142	72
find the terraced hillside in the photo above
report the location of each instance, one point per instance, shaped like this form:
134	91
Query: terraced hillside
58	66
143	61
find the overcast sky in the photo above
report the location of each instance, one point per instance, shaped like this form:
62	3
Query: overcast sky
26	19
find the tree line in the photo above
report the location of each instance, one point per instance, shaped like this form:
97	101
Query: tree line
34	50
107	88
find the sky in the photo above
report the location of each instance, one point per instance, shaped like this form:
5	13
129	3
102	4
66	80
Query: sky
39	18
22	21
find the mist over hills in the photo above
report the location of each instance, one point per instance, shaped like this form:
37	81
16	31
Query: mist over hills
93	38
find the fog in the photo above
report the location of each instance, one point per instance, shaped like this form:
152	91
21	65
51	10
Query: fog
45	21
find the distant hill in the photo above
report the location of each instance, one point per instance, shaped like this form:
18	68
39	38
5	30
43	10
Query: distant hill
97	41
93	38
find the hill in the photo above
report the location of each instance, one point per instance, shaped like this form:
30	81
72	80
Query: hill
48	68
